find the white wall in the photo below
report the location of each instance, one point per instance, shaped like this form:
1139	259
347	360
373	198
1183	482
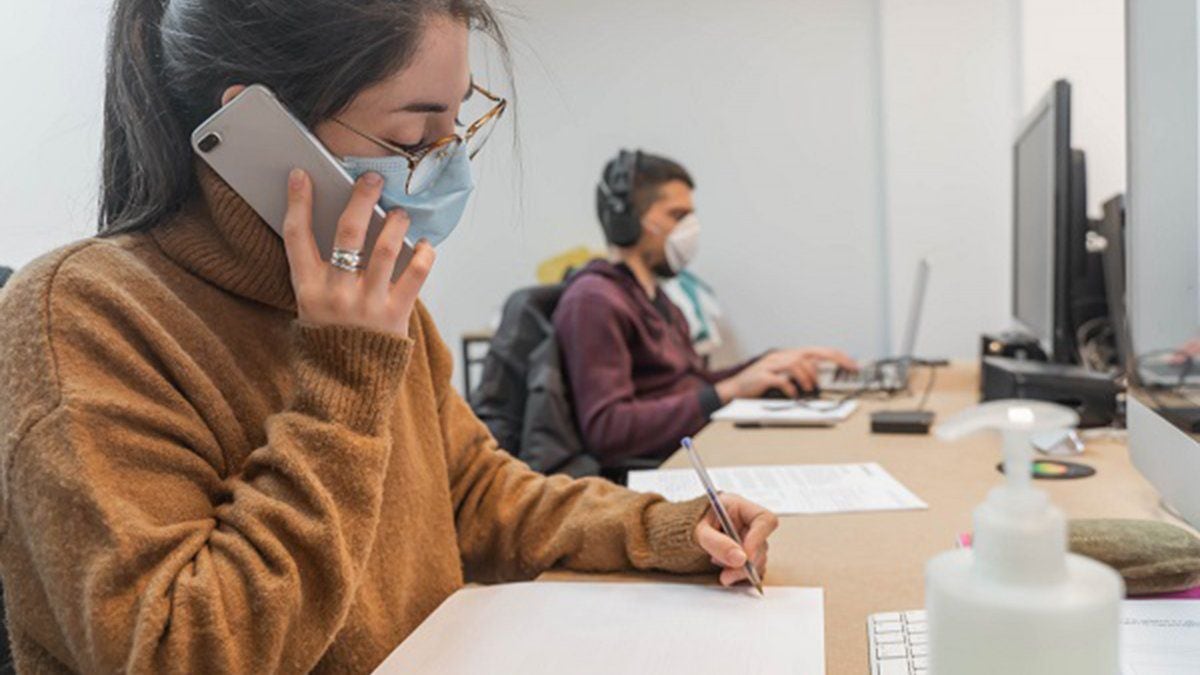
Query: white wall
1084	42
53	80
774	111
950	90
835	142
957	79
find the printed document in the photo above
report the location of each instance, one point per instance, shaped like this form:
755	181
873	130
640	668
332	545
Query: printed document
1160	637
790	490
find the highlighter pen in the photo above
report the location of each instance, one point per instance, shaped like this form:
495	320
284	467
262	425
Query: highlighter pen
719	509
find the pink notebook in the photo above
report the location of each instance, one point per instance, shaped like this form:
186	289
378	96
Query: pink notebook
1193	594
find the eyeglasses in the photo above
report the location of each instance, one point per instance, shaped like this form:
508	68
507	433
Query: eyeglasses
426	165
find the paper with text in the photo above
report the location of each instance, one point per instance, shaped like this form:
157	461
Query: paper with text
606	628
790	490
1160	637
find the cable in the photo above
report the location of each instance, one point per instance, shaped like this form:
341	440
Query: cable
827	404
1095	344
933	371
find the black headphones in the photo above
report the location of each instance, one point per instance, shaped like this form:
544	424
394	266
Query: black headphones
614	204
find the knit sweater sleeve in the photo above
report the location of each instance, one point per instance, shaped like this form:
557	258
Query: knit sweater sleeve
514	523
151	557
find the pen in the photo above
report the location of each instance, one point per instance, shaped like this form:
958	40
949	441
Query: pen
719	509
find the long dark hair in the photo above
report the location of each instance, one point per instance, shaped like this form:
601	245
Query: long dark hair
169	61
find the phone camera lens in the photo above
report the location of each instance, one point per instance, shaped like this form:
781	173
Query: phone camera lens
209	142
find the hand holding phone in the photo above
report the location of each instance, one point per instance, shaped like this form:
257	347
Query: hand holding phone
330	295
254	142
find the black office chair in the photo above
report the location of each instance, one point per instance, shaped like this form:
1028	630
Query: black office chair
6	662
523	396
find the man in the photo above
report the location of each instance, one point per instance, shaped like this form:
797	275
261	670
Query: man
638	385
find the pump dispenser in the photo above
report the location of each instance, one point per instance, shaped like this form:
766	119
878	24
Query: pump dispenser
1018	602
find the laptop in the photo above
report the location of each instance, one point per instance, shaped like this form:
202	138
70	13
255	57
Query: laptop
887	375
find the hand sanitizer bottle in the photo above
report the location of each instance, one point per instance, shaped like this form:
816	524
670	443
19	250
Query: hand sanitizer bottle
1018	603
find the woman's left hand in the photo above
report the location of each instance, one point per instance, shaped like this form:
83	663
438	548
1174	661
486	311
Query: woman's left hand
754	524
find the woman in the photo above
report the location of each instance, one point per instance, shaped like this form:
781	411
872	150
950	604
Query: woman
224	454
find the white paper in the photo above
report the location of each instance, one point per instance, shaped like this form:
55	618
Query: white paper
618	628
1160	637
790	490
769	412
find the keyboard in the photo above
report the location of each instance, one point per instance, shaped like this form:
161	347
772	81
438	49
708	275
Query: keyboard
899	643
871	378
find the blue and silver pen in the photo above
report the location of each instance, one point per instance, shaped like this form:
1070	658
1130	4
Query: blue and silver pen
719	509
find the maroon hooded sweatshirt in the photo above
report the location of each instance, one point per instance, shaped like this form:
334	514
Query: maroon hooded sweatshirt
637	384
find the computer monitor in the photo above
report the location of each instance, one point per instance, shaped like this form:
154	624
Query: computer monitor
1086	296
1058	285
1112	228
1042	208
1163	241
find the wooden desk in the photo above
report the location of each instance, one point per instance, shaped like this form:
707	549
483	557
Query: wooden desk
874	562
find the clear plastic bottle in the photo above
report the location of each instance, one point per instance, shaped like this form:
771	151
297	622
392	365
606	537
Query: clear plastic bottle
1017	602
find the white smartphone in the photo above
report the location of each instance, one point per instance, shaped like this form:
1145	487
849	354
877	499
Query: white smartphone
254	142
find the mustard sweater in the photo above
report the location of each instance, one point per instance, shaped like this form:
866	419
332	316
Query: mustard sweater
192	481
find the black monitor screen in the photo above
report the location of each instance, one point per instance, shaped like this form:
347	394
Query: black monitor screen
1034	229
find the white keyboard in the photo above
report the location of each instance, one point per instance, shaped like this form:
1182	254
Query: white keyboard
899	643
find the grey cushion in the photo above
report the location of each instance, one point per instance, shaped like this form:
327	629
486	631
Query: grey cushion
1152	557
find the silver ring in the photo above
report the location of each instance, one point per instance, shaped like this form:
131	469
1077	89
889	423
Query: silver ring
346	260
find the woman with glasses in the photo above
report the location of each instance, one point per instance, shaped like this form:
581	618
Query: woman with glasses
224	453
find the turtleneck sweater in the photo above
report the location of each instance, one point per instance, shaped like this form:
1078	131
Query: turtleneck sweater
194	481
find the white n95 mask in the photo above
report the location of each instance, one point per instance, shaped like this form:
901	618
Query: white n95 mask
683	243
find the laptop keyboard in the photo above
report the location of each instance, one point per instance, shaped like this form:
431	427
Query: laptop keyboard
844	375
898	643
1170	372
870	378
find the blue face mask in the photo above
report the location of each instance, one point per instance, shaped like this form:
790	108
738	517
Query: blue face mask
435	211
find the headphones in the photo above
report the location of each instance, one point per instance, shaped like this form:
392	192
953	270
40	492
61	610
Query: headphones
614	203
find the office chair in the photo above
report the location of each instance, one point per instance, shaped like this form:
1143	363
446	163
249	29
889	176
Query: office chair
523	396
6	662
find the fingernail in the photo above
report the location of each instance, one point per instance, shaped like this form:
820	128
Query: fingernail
372	179
423	240
295	179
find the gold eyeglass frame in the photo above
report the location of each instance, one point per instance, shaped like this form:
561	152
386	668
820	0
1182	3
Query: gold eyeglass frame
414	159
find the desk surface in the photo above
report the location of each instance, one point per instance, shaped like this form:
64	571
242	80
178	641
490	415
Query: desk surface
874	562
